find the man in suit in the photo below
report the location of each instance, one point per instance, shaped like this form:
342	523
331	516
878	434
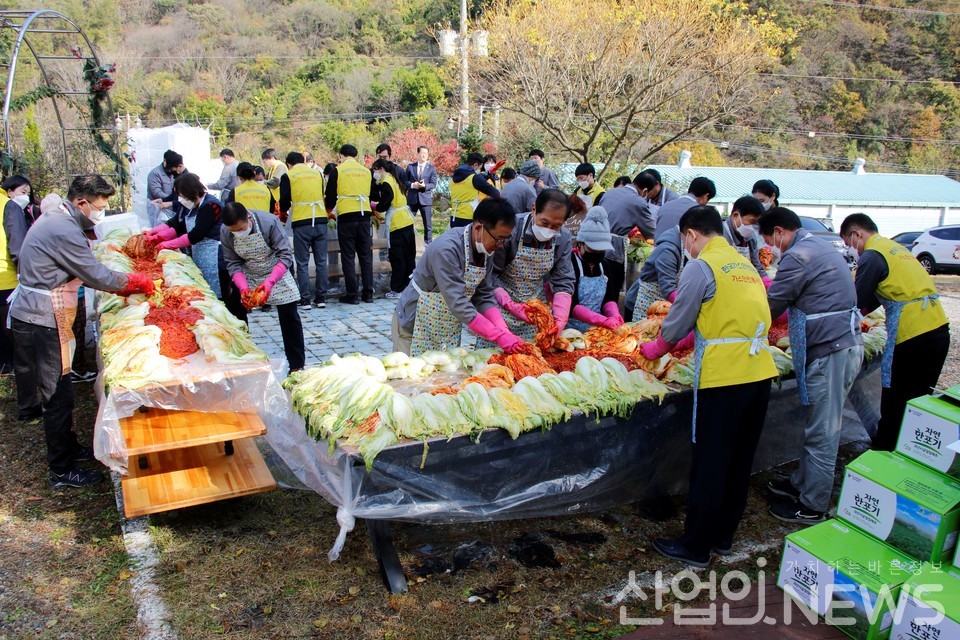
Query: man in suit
422	178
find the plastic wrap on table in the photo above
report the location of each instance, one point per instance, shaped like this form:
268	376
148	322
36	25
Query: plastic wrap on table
197	385
579	465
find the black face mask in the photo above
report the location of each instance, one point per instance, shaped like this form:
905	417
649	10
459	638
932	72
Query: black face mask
592	257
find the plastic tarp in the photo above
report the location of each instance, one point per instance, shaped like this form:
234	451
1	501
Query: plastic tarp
197	385
582	464
146	147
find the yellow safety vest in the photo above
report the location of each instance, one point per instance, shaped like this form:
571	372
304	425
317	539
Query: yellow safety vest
306	194
273	172
907	280
253	195
463	199
353	187
400	217
8	268
735	313
482	196
589	199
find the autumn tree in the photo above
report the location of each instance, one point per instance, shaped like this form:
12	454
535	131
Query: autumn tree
596	76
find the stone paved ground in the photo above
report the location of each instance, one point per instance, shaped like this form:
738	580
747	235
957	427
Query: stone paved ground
340	329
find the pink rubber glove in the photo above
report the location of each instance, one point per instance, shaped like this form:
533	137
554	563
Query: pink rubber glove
176	243
612	311
274	277
516	309
583	314
766	281
502	297
561	310
503	339
655	349
160	233
672	297
496	318
686	343
240	281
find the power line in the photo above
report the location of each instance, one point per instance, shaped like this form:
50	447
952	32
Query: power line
816	77
862	7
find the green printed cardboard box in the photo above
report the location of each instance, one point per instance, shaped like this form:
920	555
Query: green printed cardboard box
930	425
849	578
902	503
929	607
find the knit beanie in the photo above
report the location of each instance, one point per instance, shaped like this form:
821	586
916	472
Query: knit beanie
530	169
595	230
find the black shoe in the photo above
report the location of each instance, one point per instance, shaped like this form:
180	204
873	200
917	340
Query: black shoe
349	299
34	414
76	477
783	488
367	297
83	454
320	302
265	308
6	371
675	550
723	549
304	302
86	376
794	511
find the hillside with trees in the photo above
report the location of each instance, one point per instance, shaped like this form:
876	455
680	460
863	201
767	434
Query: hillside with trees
779	83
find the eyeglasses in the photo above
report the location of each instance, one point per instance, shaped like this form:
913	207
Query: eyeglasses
497	241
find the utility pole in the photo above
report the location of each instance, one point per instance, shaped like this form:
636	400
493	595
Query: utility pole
464	67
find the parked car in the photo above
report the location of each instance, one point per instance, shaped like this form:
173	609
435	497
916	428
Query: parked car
907	238
938	248
818	228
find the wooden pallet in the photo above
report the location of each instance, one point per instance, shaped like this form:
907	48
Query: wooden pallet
193	476
161	430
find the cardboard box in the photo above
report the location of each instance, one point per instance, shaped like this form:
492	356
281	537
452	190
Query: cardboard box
910	507
849	578
930	425
929	606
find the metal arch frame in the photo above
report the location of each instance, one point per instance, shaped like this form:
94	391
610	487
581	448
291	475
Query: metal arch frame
28	18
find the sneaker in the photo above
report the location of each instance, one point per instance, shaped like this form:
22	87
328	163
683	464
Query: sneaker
723	549
392	295
33	414
76	477
320	302
86	376
304	302
349	299
83	454
675	550
783	488
367	297
794	511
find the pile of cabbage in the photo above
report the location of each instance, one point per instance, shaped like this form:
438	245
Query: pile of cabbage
131	349
351	399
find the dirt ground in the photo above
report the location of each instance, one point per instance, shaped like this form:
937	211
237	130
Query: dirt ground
257	567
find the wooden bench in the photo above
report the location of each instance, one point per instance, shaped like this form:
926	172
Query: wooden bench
335	270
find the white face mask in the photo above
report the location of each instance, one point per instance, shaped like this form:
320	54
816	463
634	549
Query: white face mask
186	204
746	231
583	184
767	205
377	176
97	215
686	252
482	250
543	234
23	200
489	166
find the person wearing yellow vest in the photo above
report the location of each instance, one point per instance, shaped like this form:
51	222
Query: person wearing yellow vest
466	185
348	191
401	239
918	333
275	169
253	195
301	199
721	297
14	198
